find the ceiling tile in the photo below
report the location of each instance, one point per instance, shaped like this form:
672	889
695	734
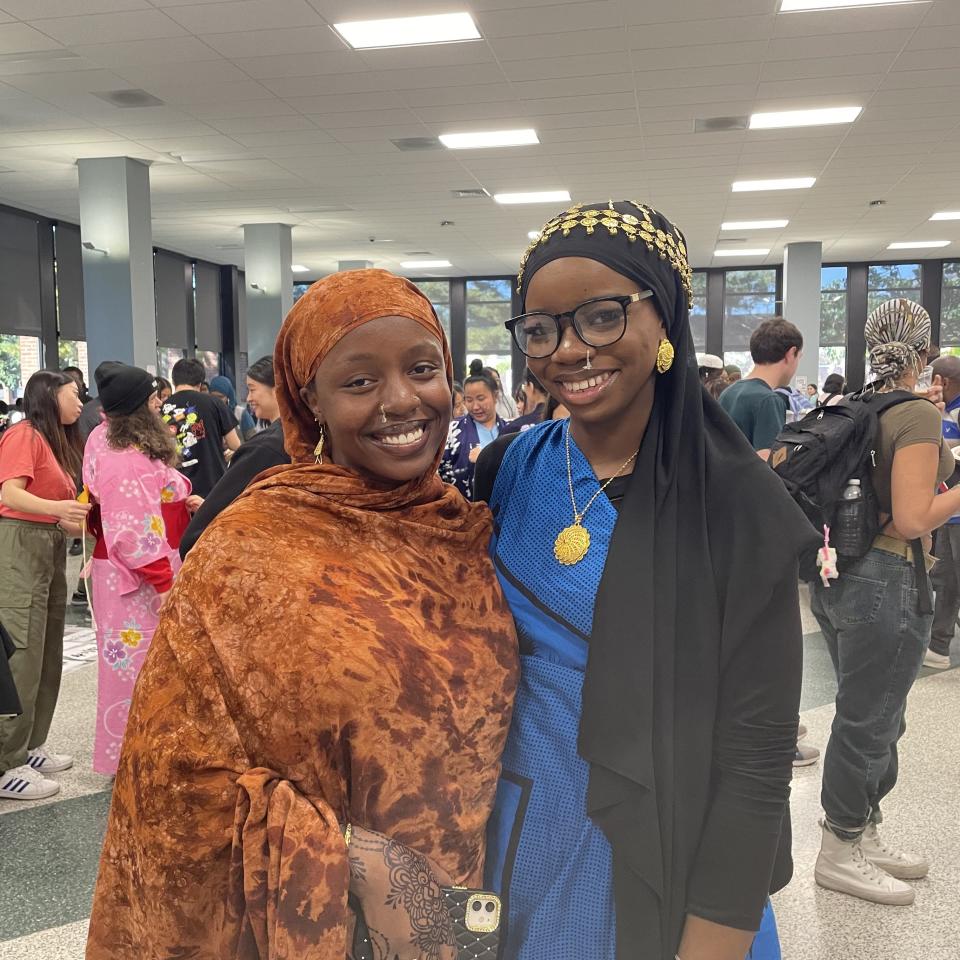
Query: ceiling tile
44	9
542	20
273	42
109	27
301	64
22	38
245	15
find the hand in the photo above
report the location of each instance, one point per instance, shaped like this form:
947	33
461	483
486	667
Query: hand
934	393
399	890
71	529
194	503
474	452
69	511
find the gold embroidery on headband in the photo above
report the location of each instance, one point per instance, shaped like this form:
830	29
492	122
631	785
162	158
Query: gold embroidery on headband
667	245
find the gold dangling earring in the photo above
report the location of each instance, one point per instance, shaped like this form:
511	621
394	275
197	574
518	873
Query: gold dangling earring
665	355
383	414
318	449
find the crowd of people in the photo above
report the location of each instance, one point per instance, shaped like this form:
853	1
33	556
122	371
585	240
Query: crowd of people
377	633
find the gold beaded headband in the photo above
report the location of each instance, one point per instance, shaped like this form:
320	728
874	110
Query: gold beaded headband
666	245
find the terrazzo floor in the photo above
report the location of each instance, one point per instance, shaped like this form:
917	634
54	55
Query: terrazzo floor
50	848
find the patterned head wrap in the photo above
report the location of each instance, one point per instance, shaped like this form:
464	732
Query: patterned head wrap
897	332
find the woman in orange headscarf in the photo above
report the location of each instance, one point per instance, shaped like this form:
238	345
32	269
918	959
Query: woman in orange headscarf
335	651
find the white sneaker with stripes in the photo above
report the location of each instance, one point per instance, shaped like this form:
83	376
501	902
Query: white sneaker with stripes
25	783
46	762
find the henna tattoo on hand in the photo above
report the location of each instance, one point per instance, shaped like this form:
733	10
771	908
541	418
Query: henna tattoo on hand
414	888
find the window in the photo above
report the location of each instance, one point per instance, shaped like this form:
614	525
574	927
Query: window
698	312
438	292
211	362
166	358
73	353
886	281
833	322
19	361
489	306
950	306
749	298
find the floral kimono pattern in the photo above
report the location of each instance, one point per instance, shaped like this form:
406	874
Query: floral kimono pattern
133	493
456	467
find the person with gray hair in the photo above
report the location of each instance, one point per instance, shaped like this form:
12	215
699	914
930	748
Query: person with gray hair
876	618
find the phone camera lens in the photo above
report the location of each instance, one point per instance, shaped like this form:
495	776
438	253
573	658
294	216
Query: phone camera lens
490	907
476	905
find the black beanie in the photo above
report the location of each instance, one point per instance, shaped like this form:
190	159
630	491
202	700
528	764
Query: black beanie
123	389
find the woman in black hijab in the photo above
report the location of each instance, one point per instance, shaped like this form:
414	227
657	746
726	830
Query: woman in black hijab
650	560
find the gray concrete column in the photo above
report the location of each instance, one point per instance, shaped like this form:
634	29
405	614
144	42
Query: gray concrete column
354	265
801	302
115	229
267	262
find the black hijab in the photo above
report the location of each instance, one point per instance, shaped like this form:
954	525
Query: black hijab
698	604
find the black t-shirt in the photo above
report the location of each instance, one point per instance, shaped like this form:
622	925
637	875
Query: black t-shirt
261	452
200	423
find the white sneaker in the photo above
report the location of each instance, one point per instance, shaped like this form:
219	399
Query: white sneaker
843	867
41	759
905	866
25	783
937	661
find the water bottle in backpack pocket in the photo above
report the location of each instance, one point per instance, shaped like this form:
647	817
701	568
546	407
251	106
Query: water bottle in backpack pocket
853	530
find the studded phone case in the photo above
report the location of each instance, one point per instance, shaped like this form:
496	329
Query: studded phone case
476	925
476	922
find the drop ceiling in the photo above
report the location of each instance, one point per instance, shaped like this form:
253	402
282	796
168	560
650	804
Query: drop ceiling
267	116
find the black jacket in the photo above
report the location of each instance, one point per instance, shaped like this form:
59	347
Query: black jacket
259	453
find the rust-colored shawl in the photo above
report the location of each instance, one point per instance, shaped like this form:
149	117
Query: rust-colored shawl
332	651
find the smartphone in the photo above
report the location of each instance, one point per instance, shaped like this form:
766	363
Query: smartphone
476	918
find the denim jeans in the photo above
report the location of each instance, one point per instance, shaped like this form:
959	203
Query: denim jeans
877	637
946	581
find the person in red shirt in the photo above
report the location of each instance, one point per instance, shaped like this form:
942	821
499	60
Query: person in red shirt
40	461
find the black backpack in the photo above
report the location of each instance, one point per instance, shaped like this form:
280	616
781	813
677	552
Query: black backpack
817	456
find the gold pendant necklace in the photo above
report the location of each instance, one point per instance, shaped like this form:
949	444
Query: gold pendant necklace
573	542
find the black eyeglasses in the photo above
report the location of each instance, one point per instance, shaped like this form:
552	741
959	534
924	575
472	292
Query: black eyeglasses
598	323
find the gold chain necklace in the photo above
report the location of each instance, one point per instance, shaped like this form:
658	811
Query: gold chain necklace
573	542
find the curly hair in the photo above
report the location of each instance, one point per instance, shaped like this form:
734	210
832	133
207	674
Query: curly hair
144	430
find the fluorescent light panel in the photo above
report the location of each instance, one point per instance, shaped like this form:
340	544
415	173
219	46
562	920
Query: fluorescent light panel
754	224
804	118
426	264
790	6
408	31
947	215
300	268
492	138
789	183
757	252
918	244
543	196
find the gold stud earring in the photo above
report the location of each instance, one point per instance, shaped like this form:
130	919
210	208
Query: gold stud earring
383	414
665	355
318	449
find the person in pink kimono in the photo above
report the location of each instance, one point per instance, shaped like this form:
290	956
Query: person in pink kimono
140	513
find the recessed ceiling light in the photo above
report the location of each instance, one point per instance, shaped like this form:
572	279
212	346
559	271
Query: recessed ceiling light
918	244
788	6
543	196
757	252
534	234
753	224
789	183
492	138
804	118
408	31
947	215
300	268
426	264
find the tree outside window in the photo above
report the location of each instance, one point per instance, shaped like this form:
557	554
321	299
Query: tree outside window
833	322
749	298
489	307
698	311
950	308
885	281
438	293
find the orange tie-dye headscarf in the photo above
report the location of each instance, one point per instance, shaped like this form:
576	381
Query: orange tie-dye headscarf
323	316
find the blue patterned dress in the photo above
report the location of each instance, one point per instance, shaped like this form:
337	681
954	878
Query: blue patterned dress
548	861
